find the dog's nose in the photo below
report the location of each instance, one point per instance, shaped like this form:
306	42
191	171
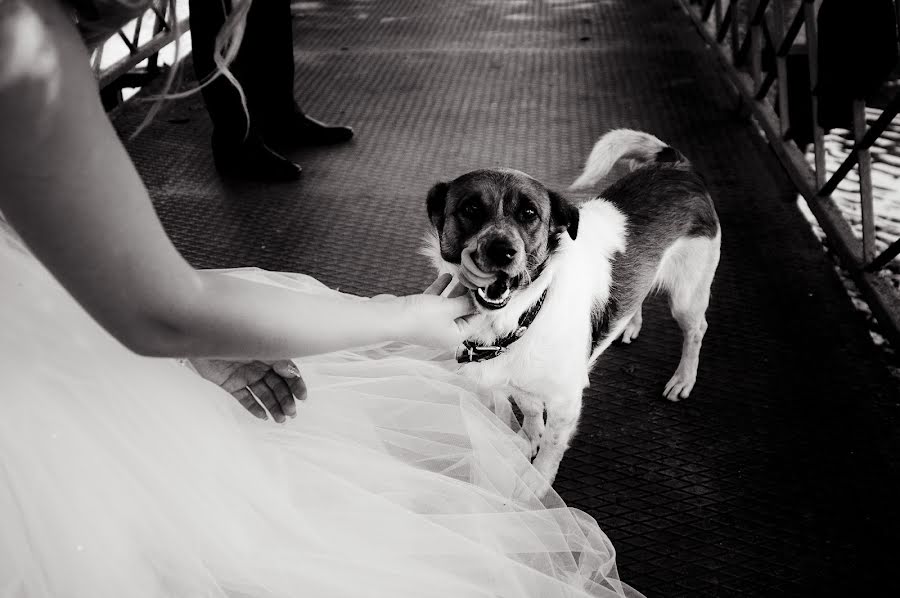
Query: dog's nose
501	252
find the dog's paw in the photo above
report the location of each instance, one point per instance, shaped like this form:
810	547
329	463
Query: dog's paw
533	443
531	486
523	443
679	386
547	464
533	430
632	329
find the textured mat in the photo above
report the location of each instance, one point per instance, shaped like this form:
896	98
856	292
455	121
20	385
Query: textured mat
780	476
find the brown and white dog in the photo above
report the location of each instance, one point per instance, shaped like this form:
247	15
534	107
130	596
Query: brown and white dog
556	284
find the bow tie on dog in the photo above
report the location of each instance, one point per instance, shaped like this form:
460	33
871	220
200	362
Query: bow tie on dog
516	244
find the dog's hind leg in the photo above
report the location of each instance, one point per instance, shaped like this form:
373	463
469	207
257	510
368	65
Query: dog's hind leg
689	280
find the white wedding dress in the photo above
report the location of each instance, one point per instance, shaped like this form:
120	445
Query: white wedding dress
125	476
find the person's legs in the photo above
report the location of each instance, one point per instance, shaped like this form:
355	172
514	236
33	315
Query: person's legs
265	63
269	40
264	67
238	146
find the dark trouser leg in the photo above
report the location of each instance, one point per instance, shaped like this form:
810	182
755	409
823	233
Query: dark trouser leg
222	99
264	65
267	62
269	40
264	69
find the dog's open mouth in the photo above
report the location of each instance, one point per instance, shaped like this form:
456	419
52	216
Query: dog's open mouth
497	294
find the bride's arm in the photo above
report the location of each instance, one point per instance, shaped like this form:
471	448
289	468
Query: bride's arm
70	190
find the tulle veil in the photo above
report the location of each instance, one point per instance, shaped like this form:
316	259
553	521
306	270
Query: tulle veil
123	475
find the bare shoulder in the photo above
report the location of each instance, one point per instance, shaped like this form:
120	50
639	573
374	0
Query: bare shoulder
45	76
29	57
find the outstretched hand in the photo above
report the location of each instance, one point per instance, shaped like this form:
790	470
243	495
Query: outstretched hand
440	314
438	317
445	285
275	384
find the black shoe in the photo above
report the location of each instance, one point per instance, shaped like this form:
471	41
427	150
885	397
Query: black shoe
300	130
253	160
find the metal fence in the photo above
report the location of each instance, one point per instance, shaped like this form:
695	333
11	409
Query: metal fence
130	58
754	41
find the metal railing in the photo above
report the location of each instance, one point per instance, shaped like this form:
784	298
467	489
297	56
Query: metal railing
739	31
130	57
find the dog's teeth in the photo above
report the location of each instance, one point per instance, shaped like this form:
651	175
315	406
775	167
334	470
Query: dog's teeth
483	294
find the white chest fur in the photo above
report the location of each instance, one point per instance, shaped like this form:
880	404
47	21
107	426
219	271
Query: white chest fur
550	360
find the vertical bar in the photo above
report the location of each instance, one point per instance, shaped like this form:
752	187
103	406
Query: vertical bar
136	38
784	116
159	25
735	34
98	59
875	131
864	168
719	13
727	18
755	45
812	42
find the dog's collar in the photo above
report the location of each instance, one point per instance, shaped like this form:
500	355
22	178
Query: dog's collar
472	352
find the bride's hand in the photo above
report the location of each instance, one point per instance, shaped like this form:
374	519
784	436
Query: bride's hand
434	320
444	282
275	384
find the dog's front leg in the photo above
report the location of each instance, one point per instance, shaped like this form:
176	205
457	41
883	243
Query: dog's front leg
562	419
532	409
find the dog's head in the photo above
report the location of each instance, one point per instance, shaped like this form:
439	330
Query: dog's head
504	220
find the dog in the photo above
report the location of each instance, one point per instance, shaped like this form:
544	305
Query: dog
556	283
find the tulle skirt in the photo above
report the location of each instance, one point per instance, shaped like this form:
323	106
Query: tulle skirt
122	475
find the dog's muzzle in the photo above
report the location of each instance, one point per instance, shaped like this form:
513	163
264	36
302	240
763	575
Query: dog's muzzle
498	293
501	254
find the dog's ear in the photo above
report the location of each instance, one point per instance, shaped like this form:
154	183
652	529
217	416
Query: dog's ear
437	201
563	215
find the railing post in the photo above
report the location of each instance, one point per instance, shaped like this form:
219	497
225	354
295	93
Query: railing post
98	60
784	117
755	44
812	43
159	25
864	159
735	33
855	253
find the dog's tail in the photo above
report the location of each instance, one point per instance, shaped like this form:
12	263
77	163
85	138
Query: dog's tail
621	151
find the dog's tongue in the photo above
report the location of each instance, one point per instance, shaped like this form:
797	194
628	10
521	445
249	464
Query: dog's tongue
496	289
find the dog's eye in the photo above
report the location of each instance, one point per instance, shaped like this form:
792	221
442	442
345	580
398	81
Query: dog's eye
470	209
528	214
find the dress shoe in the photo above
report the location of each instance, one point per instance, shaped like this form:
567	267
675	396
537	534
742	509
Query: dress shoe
300	130
252	160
